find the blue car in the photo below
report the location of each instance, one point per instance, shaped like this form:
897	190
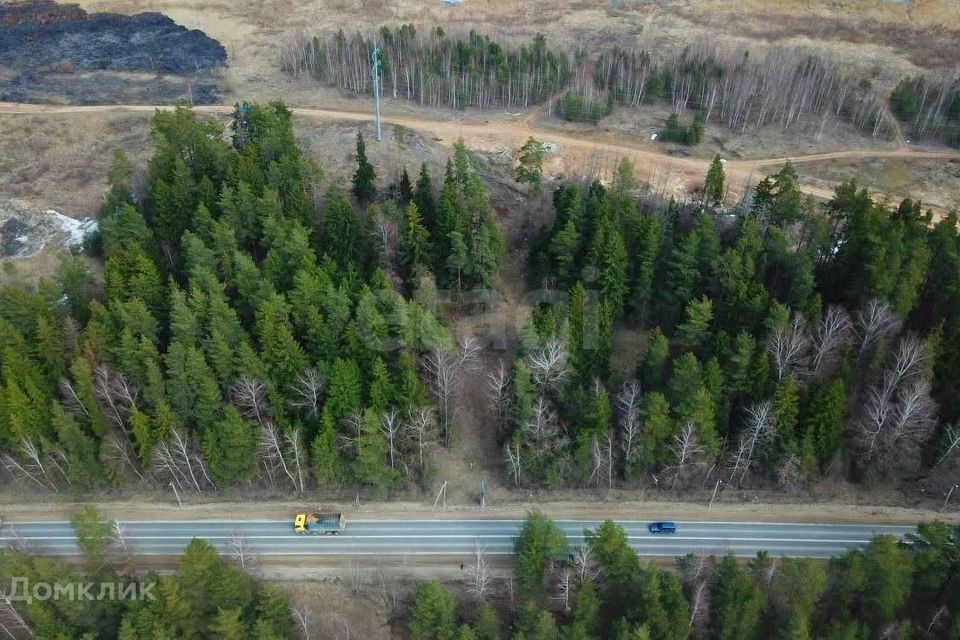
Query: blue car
663	527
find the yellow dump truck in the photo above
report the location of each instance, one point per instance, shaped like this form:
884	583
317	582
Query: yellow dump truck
329	523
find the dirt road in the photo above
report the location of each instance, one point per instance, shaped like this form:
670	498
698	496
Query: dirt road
589	156
153	507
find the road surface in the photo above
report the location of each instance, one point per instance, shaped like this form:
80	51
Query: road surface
454	537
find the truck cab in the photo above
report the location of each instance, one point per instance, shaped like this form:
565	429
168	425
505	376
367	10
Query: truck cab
326	522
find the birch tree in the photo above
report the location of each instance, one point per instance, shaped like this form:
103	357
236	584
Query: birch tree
685	451
875	321
756	433
499	388
789	347
548	366
478	584
828	338
628	406
307	392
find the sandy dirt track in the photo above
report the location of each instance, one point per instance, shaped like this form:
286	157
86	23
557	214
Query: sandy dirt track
480	133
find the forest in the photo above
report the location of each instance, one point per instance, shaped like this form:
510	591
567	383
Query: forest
251	329
433	68
237	337
209	597
786	344
723	85
602	590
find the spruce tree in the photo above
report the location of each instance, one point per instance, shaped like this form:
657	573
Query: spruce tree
363	179
714	184
405	188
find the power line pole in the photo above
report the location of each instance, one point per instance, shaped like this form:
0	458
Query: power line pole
375	62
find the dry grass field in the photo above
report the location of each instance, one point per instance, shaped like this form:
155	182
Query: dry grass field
882	39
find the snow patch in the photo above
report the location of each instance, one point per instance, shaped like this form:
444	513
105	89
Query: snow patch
25	231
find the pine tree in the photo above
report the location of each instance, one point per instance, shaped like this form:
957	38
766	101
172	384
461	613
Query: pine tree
487	625
736	602
433	616
695	328
530	169
363	179
540	539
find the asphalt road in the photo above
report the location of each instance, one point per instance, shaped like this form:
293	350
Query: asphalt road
454	537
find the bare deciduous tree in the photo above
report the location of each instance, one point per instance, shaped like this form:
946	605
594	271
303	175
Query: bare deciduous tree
514	452
239	550
249	396
898	412
937	619
628	404
755	434
302	619
541	433
419	427
177	460
908	358
387	239
12	623
697	576
298	459
584	564
308	392
71	399
116	395
117	447
875	321
789	347
548	366
444	367
279	453
34	469
389	591
601	452
353	425
499	381
950	446
829	337
390	427
685	449
479	575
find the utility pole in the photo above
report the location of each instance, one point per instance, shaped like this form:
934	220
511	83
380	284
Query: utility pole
375	63
950	493
714	496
